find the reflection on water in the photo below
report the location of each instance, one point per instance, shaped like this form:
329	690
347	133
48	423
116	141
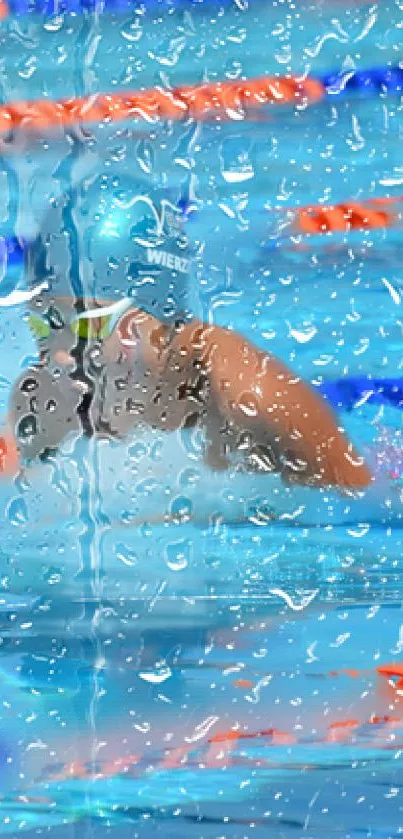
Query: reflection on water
249	723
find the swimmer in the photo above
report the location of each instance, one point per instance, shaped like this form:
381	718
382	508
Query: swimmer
121	346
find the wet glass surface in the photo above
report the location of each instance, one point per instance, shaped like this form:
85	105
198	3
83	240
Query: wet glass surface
185	650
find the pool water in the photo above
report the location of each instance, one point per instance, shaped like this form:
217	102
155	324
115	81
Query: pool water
189	653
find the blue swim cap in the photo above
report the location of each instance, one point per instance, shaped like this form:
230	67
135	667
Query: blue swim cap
113	239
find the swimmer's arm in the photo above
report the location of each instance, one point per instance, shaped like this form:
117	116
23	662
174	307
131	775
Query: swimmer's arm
259	394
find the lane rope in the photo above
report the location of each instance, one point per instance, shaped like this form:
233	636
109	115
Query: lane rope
233	100
321	219
228	99
53	8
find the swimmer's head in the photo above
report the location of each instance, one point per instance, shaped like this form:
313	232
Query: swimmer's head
115	239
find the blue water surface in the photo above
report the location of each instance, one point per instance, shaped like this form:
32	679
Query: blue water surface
147	604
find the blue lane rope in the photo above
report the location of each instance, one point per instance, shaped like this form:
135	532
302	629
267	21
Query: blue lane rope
57	7
375	80
346	394
11	263
11	250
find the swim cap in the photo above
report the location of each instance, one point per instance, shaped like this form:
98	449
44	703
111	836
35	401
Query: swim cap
115	239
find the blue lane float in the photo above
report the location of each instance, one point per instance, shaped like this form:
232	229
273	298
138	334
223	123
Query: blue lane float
50	8
11	250
346	394
372	81
11	263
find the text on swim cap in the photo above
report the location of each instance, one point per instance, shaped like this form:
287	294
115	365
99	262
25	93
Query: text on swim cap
168	260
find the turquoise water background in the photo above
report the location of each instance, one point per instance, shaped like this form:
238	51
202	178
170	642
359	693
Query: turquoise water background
125	636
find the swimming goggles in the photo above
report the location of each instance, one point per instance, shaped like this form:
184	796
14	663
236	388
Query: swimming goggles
93	324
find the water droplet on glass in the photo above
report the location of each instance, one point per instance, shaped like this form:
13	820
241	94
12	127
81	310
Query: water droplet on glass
169	52
236	165
53	576
28	385
304	334
118	153
95	357
126	555
146	487
54	318
156	677
17	512
132	30
134	407
54	24
28	68
121	384
27	428
181	509
189	478
145	156
261	513
157	451
248	404
146	530
137	451
178	554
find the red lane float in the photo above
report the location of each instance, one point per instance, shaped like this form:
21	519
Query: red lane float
392	672
343	217
9	456
230	749
350	215
230	99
